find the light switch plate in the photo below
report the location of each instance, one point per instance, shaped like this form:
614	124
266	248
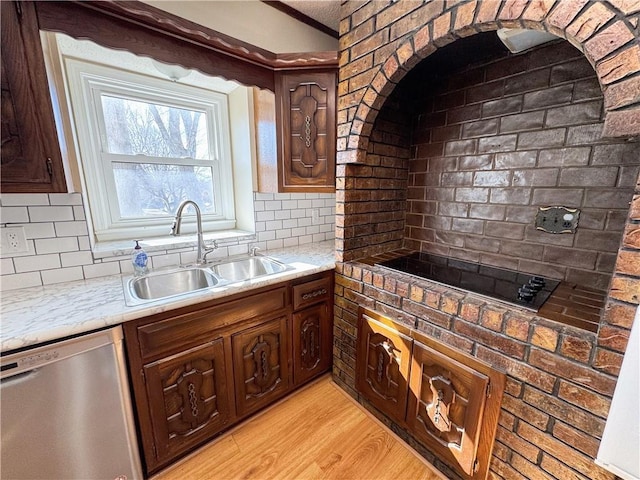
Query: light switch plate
557	219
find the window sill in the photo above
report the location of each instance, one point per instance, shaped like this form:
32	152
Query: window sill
164	244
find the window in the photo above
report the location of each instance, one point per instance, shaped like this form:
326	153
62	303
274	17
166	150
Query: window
147	144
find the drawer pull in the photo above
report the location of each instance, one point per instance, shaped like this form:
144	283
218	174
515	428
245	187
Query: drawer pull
314	294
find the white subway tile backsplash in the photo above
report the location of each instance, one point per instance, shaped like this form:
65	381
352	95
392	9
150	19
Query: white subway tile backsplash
264	196
265	216
266	236
60	249
273	244
284	233
74	259
24	199
71	229
78	213
37	262
274	225
166	260
51	214
319	237
60	275
6	266
292	223
273	205
21	280
101	269
83	243
290	242
65	199
238	249
39	230
14	215
282	214
56	245
305	239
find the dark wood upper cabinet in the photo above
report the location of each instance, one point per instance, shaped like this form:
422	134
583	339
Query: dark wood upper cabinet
306	125
304	85
31	159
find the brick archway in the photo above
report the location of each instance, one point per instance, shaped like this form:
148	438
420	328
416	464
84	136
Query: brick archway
603	31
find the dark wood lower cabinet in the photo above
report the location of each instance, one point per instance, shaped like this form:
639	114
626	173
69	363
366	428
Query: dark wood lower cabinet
260	357
446	399
313	341
383	363
188	398
198	370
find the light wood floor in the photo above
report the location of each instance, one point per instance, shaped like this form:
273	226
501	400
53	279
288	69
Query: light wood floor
318	432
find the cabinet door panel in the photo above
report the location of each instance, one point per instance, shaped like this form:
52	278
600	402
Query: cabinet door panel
446	405
383	361
312	342
306	119
261	370
188	398
30	153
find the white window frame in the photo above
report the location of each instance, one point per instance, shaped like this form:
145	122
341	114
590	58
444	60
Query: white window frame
87	82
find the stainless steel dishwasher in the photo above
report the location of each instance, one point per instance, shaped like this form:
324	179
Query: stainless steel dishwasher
66	411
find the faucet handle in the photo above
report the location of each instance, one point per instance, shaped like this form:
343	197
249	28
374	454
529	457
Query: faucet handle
208	250
254	251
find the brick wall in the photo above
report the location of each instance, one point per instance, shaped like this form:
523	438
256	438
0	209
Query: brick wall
560	380
559	383
497	141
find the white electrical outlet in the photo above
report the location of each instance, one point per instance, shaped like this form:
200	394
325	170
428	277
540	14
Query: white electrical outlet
13	240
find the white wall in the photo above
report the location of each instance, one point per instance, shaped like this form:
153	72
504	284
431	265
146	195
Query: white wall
253	22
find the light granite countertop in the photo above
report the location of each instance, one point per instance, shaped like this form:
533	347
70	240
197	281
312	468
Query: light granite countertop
35	315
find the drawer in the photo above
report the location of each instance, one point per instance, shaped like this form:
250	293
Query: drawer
311	292
168	336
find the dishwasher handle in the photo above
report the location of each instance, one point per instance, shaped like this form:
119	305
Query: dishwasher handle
18	377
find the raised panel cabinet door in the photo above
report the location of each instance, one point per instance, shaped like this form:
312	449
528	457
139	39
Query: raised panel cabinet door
261	364
306	123
383	362
188	399
312	342
446	406
30	152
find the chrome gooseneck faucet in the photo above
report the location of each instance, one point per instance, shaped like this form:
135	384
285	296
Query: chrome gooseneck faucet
202	250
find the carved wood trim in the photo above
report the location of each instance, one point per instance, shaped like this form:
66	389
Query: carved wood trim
145	30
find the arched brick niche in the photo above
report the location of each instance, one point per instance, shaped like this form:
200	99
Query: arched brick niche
605	31
561	382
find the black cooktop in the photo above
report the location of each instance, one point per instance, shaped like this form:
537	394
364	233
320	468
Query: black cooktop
515	288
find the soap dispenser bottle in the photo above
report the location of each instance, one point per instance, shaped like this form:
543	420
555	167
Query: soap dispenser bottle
139	260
